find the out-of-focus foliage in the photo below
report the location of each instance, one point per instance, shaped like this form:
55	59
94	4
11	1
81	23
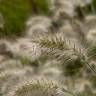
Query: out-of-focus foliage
16	12
90	8
65	54
40	6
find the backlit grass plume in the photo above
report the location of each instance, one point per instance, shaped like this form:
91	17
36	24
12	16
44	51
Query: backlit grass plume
72	55
39	87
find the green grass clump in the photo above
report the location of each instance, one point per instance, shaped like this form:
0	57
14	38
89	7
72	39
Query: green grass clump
15	13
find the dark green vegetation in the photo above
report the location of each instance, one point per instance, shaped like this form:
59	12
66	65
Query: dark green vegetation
39	6
15	13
